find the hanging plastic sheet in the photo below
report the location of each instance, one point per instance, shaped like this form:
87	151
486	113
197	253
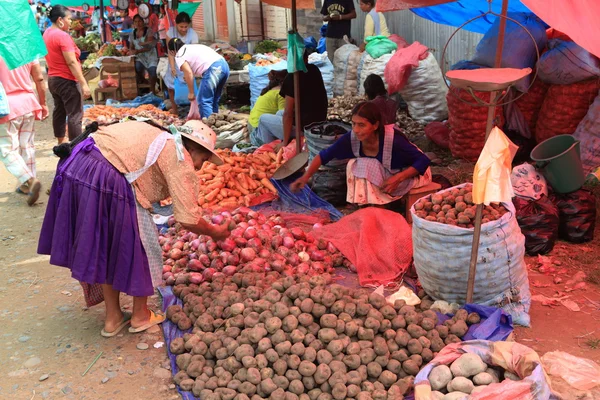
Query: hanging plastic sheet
20	38
295	61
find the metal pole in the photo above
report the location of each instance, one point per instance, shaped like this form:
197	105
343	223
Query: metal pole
262	19
297	118
488	129
102	22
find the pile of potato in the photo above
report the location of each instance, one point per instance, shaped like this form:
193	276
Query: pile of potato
468	374
108	114
264	336
456	207
340	108
226	122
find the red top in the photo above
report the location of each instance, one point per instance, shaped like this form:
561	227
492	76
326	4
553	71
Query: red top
58	41
19	91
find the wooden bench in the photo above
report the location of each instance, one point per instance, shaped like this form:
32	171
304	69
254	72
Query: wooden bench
416	194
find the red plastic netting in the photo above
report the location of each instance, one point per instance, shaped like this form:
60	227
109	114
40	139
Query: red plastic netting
564	108
531	102
377	241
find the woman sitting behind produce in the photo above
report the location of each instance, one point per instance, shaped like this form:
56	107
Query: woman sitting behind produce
375	24
104	186
200	61
385	165
144	48
269	102
377	94
65	78
182	31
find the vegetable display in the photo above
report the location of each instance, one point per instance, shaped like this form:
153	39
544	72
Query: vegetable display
91	42
456	207
340	108
267	46
226	122
107	114
268	330
241	180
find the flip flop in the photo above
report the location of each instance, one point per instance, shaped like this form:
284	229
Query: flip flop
123	324
34	192
155	319
20	191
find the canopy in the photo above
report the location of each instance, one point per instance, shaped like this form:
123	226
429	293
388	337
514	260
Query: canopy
578	19
20	38
300	4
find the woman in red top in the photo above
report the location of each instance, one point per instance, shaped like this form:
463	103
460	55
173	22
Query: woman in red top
65	78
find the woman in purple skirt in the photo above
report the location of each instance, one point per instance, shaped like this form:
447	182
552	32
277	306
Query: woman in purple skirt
97	222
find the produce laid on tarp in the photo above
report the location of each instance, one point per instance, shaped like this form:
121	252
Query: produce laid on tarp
107	115
106	50
243	179
230	127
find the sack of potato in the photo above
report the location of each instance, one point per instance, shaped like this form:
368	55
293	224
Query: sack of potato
501	279
481	369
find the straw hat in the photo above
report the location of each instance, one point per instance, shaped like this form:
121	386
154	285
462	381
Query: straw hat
205	137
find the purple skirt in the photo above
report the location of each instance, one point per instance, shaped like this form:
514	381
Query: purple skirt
91	225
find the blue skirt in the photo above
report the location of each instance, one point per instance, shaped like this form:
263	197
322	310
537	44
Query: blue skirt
91	225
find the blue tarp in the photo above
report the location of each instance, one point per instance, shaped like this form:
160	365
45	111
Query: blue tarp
459	12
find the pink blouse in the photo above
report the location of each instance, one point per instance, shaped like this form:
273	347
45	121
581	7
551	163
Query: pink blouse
18	86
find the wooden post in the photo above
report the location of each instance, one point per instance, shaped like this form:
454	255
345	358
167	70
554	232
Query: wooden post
297	117
488	129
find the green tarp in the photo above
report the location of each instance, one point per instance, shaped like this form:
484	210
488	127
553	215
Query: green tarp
20	39
295	59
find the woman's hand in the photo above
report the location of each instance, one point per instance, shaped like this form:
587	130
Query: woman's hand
299	184
191	96
85	91
219	232
173	72
391	183
45	112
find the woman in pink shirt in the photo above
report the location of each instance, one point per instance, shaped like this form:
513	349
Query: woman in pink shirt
65	78
17	150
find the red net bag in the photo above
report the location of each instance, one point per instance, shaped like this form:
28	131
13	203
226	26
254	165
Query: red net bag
531	102
467	123
564	108
377	241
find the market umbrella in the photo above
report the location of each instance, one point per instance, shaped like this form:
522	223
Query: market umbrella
20	38
293	62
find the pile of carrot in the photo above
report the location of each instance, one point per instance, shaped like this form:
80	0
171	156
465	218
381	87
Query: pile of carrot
240	179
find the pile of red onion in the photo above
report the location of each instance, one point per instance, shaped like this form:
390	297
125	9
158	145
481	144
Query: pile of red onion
257	244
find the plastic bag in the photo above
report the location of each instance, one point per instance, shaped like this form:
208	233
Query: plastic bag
438	133
577	215
564	108
398	69
538	220
194	111
295	60
588	133
580	373
4	106
181	91
379	45
377	241
369	65
519	49
527	182
509	356
259	78
325	66
399	40
566	62
526	145
501	279
321	135
341	66
425	92
331	186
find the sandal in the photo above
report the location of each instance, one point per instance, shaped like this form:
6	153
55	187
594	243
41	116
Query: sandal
21	191
155	319
34	192
123	324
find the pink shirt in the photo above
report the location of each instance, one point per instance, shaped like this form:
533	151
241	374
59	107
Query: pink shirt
198	56
19	91
58	41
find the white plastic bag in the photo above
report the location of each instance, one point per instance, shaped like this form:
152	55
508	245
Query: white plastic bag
442	254
425	92
579	373
340	67
370	66
588	133
326	67
528	183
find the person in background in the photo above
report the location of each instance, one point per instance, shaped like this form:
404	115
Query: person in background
95	18
43	21
313	103
184	32
65	78
377	94
144	48
200	61
163	26
17	148
153	20
374	22
126	24
268	104
338	14
98	224
133	9
385	165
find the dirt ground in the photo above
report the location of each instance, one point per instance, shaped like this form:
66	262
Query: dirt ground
49	339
